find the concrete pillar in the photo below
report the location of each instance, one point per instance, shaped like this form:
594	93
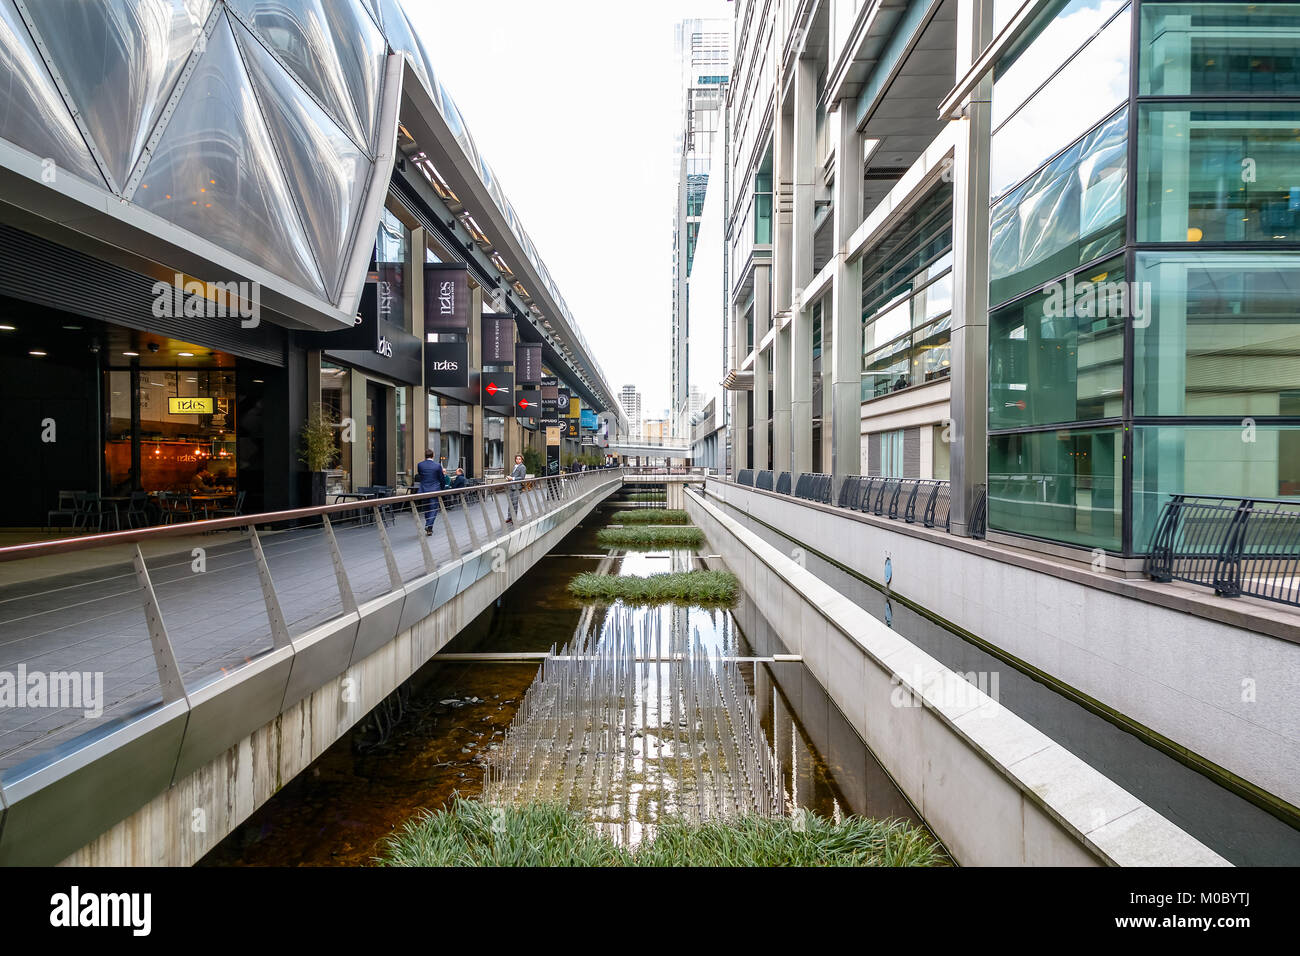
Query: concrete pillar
781	399
762	362
970	214
418	413
845	316
801	264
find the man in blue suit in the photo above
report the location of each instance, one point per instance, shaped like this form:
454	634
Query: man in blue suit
432	478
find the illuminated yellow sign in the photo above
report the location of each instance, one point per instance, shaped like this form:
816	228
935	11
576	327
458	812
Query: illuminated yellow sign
190	406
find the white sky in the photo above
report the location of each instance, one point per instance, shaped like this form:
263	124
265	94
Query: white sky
574	103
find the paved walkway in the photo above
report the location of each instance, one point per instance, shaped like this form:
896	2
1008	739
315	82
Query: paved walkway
85	612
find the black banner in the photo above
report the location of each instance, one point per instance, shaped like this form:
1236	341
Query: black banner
446	297
528	364
498	392
528	403
562	397
498	339
571	428
550	396
446	364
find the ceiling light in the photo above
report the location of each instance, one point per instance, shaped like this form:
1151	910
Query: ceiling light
6	328
36	352
73	328
132	354
185	354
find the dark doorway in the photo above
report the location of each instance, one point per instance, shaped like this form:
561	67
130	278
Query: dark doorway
377	432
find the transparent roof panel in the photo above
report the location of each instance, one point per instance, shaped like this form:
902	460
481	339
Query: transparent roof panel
120	60
402	38
216	174
327	171
32	112
332	47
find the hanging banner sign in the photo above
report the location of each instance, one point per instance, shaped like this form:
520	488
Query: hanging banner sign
570	428
575	406
589	418
562	396
446	364
528	403
446	297
528	364
498	339
550	393
553	436
498	392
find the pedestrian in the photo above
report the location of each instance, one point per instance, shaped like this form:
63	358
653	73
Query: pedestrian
517	474
432	478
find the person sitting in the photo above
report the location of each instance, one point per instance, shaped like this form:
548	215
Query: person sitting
459	481
202	480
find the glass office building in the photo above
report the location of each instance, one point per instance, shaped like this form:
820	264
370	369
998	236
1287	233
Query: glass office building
1143	265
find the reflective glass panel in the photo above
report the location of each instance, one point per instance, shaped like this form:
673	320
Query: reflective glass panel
1090	86
1061	29
1222	337
1058	355
216	174
1218	172
1201	49
402	38
333	49
1060	485
1068	213
120	59
32	113
1263	462
327	171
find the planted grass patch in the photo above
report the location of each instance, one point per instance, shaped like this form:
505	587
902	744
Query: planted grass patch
703	588
471	833
646	496
650	537
649	516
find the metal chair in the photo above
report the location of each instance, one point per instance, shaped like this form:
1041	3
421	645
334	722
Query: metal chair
67	508
233	511
135	509
89	508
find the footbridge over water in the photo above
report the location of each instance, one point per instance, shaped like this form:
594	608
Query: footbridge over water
164	683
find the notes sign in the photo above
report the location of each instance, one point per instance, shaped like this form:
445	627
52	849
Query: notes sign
190	406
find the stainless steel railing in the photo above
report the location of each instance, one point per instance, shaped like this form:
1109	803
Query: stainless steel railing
103	627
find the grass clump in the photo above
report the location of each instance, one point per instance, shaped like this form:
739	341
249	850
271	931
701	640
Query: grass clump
646	496
656	536
649	516
471	833
704	588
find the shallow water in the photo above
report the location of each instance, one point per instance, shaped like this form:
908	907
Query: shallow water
428	741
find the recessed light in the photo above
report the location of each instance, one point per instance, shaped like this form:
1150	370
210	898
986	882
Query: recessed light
185	354
7	328
131	354
73	328
257	381
36	352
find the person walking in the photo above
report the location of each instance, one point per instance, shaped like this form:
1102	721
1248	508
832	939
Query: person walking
516	474
432	478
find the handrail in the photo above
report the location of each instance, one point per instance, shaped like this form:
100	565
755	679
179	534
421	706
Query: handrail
1239	546
39	549
909	499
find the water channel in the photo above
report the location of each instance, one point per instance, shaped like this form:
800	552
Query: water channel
436	736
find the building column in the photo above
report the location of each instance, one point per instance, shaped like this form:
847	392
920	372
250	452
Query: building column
801	265
970	275
762	362
418	413
846	301
781	397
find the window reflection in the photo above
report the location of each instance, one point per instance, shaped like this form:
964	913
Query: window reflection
1205	48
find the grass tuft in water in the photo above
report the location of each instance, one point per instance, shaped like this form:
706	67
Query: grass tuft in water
652	536
646	496
703	588
471	833
649	516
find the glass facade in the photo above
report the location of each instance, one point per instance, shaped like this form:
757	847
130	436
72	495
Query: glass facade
451	429
336	403
1186	296
907	301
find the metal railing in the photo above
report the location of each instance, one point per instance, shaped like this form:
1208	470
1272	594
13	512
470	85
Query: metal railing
913	500
1237	546
152	615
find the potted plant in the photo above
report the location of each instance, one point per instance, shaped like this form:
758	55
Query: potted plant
318	451
534	462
